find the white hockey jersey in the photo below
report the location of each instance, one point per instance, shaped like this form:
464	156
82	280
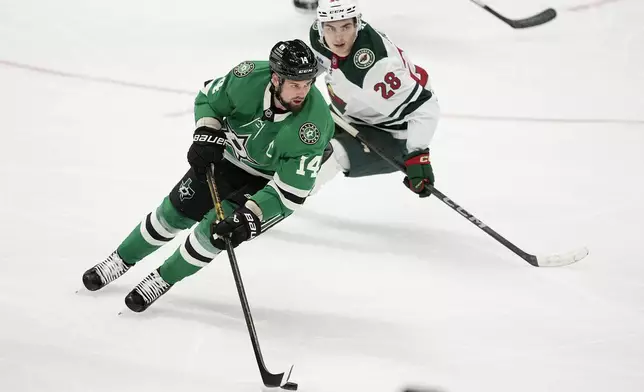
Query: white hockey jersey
378	85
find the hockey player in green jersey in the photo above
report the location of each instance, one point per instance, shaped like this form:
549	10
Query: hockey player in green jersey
375	86
265	127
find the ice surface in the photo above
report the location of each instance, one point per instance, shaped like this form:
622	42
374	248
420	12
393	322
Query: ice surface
542	139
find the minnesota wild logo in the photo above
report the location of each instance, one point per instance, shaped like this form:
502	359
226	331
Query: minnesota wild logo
309	133
243	69
364	58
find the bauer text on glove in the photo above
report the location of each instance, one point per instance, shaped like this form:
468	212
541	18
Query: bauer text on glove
242	225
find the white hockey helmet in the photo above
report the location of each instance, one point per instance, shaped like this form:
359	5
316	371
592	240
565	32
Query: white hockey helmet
332	10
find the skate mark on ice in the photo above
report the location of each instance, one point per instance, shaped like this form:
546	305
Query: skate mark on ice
170	90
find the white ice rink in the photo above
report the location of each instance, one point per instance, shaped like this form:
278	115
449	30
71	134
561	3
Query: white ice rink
367	288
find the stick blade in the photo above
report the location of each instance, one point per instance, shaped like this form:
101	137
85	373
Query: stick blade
536	20
561	259
280	380
285	380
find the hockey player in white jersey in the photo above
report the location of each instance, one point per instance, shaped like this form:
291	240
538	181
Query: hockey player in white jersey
376	87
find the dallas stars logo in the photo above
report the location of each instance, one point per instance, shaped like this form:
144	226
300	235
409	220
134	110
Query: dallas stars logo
244	69
309	133
239	144
185	190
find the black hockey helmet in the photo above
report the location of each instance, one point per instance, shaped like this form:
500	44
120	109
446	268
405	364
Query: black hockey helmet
293	60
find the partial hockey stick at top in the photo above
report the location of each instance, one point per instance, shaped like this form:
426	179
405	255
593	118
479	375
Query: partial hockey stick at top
554	260
532	21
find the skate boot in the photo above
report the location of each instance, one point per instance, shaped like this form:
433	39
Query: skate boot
104	272
308	5
146	292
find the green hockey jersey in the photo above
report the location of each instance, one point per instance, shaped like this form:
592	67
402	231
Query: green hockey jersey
285	148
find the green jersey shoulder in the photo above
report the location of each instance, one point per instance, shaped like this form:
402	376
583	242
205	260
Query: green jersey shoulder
222	96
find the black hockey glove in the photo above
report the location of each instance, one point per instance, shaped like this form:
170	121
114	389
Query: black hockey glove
207	147
242	225
420	176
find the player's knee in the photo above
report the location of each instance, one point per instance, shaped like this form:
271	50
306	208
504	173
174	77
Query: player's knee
169	215
202	237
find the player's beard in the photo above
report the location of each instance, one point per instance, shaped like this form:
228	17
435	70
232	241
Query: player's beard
292	106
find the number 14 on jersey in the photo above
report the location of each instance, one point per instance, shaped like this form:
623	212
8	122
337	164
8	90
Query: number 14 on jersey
313	166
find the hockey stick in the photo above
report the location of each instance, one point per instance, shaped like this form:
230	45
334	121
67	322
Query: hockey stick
536	20
555	260
270	380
